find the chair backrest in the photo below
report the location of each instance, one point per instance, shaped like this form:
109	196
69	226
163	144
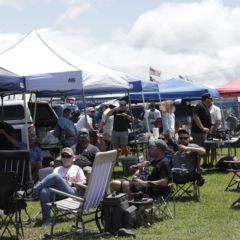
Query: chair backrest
17	161
99	179
185	160
43	172
8	186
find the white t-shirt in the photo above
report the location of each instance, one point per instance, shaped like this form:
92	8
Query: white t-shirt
215	112
81	122
71	174
152	116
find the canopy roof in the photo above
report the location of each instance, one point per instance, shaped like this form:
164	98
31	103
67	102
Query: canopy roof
10	82
229	89
177	89
44	64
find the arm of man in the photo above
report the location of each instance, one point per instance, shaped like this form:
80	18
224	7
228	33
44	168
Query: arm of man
69	132
162	182
110	113
198	122
8	137
197	149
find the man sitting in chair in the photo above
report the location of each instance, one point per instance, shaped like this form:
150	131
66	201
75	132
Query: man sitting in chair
64	178
152	183
187	157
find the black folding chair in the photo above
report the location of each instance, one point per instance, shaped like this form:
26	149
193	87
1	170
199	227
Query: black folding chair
164	203
11	204
185	184
18	161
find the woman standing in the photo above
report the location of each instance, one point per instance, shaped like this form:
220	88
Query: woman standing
168	118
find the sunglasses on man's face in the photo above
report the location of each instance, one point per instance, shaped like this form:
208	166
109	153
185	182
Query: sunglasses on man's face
184	138
65	155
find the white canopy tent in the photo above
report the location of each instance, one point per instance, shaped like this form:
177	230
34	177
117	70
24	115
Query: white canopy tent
47	66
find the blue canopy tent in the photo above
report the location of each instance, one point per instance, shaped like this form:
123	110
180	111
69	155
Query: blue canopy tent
177	89
10	82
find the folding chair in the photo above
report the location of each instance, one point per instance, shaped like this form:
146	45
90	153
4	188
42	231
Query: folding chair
234	181
236	203
184	177
164	203
18	161
90	204
11	204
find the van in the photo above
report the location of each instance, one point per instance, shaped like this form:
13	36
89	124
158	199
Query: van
12	112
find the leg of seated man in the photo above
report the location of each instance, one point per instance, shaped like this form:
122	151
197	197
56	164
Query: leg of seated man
52	180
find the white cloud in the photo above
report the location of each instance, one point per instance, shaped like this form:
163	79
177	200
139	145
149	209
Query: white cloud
200	40
74	10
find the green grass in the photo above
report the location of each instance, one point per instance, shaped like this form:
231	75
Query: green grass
211	218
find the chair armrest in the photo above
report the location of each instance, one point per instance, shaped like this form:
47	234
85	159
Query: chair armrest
66	194
81	185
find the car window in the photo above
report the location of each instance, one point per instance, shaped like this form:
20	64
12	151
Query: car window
14	112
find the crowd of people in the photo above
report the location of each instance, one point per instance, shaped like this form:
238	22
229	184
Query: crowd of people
108	129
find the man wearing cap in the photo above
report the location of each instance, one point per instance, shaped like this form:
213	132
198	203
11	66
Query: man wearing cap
64	178
154	183
81	123
187	155
121	120
85	152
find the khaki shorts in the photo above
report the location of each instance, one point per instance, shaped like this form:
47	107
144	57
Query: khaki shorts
120	138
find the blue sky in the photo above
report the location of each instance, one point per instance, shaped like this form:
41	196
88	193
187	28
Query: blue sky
197	39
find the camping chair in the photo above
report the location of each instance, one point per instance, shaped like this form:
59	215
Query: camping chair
11	204
18	161
90	204
184	177
164	203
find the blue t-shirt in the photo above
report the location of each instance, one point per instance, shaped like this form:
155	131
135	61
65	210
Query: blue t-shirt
36	154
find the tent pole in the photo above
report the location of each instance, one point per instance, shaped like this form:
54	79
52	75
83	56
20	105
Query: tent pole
145	109
84	107
133	123
2	112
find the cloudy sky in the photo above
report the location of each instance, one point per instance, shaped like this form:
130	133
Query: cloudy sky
199	39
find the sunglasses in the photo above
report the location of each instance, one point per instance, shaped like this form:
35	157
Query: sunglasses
183	138
65	155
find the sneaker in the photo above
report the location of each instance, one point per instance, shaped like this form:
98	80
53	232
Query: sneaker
200	182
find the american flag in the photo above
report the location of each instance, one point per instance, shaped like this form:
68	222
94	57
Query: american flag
154	72
154	80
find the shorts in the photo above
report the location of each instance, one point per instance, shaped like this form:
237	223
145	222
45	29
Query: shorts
149	190
120	138
199	138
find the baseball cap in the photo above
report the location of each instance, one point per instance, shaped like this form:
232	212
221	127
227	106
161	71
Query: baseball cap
182	130
90	109
159	143
206	96
83	132
68	151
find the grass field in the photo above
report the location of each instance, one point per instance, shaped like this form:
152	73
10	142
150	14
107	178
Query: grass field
211	218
